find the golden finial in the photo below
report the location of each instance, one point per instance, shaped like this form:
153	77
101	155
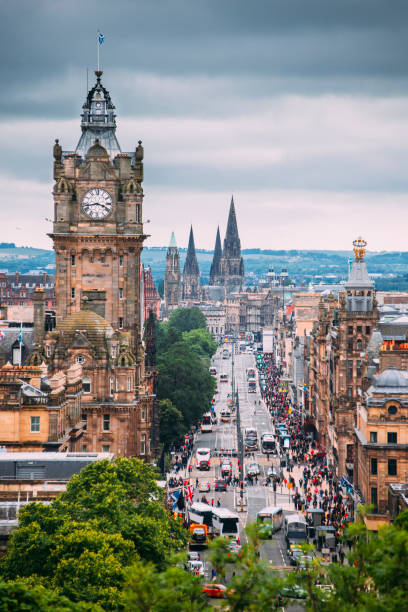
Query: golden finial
359	248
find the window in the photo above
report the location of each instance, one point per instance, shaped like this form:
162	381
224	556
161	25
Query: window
359	329
358	370
121	260
350	369
35	424
80	359
86	384
392	467
84	417
368	330
129	383
48	350
373	469
392	409
120	322
120	293
84	448
359	345
373	437
143	414
350	330
72	260
143	444
105	448
392	437
374	497
106	422
350	392
117	383
111	386
350	345
73	292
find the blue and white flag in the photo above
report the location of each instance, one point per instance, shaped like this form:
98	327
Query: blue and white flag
100	38
174	498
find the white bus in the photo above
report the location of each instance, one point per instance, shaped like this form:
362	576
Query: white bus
206	423
271	519
268	443
251	373
225	523
225	415
295	529
201	513
223	377
225	353
251	385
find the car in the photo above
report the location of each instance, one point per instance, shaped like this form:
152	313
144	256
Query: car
253	469
220	485
196	567
250	432
234	547
219	591
304	561
203	486
193	555
272	473
293	591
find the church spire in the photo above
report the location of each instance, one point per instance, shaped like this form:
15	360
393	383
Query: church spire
191	272
98	120
191	264
232	243
232	264
215	266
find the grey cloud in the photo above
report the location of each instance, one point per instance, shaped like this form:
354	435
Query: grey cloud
295	44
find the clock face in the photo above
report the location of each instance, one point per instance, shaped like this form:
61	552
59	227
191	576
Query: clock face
97	203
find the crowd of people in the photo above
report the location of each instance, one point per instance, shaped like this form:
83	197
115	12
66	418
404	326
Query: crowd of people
314	482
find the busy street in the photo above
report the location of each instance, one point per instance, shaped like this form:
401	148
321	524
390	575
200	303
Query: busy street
284	476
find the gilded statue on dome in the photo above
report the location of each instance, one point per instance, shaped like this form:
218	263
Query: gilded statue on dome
359	248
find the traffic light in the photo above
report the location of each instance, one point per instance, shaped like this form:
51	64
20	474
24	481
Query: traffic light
241	484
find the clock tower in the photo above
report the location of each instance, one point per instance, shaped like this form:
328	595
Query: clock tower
98	230
98	238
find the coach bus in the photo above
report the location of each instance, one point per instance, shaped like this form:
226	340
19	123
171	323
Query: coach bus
270	519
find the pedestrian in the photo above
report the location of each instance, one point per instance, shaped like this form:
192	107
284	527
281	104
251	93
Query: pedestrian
213	574
341	555
212	501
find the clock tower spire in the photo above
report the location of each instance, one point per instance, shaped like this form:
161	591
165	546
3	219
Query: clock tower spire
98	229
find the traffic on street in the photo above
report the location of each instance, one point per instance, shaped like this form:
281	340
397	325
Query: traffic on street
250	460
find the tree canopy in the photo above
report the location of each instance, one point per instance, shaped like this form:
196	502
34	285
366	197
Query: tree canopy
111	515
186	319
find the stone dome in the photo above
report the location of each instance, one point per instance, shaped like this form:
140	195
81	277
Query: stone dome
97	150
95	327
391	378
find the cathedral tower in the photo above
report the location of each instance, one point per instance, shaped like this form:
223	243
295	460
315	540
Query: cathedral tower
215	266
172	276
232	264
191	272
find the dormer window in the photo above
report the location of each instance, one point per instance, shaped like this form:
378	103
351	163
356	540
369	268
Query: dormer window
392	409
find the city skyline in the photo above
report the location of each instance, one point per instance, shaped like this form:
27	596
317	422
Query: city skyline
299	112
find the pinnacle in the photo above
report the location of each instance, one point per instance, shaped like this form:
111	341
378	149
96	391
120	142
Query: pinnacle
191	264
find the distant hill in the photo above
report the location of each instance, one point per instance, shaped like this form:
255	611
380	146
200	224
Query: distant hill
302	265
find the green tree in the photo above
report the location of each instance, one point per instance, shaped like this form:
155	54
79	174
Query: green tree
173	590
186	319
23	596
171	423
201	342
111	514
185	381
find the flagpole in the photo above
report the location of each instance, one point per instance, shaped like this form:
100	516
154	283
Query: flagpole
21	340
97	46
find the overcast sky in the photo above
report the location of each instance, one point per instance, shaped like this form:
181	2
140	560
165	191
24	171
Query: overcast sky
297	107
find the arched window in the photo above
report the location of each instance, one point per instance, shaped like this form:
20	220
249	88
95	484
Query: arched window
359	345
86	384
